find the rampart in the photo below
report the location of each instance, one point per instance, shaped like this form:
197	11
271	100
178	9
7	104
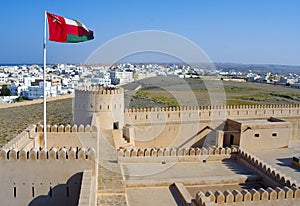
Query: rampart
273	196
23	140
269	175
208	113
185	126
175	154
57	136
67	129
24	182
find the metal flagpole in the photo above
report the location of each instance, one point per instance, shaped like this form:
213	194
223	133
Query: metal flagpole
44	83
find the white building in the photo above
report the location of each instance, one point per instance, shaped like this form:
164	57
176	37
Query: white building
101	81
36	92
3	78
121	77
17	89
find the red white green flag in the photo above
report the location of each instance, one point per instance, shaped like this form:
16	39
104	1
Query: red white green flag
66	30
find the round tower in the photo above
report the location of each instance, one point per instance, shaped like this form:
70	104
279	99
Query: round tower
104	103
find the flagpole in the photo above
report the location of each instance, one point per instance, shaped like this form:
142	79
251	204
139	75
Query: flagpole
44	83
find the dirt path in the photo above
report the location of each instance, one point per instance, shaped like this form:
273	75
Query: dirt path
36	101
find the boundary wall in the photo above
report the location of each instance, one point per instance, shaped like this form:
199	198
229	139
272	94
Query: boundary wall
196	113
269	196
175	154
23	140
24	182
269	174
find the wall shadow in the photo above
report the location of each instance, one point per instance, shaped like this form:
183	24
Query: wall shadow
287	162
62	194
175	195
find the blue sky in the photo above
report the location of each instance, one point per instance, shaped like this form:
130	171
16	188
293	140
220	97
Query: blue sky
239	31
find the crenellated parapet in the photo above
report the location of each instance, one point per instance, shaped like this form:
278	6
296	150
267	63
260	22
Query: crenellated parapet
52	154
247	196
214	107
67	129
22	139
100	90
174	152
136	116
272	173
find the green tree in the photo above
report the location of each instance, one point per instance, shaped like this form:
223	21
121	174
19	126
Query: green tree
5	91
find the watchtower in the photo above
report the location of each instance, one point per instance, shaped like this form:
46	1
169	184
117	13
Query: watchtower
104	103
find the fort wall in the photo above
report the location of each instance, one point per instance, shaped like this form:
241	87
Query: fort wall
174	126
24	140
137	116
269	175
175	154
68	136
260	197
25	180
107	102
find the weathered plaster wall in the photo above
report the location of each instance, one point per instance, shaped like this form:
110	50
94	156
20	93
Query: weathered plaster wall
46	177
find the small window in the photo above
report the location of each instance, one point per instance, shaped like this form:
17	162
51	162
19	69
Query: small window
256	135
15	192
274	134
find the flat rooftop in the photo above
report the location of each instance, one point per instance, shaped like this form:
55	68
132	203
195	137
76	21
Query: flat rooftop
150	183
281	159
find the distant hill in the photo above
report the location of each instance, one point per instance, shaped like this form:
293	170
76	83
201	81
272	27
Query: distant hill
258	68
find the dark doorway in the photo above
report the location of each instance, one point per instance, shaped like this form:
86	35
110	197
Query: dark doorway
116	125
231	139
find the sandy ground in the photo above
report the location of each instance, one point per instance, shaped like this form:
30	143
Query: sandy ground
36	101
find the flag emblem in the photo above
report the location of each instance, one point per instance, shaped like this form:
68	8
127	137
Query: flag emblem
66	30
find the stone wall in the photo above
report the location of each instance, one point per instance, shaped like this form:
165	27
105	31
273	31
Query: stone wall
269	196
68	136
175	154
25	175
208	113
24	140
185	126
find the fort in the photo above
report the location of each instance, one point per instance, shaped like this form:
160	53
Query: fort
197	155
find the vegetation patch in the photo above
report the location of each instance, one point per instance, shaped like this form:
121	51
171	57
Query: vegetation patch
15	119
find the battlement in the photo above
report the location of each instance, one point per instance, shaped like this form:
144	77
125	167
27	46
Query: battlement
174	152
275	175
246	196
21	139
100	90
67	129
52	154
214	107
